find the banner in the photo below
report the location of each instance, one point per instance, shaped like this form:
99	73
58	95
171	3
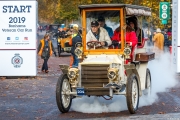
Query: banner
18	24
18	31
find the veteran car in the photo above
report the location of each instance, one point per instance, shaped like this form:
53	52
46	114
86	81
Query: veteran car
107	71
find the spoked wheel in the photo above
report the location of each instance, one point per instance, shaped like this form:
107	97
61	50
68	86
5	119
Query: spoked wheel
132	92
147	91
63	100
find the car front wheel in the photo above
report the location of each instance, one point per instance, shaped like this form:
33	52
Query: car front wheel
62	99
132	93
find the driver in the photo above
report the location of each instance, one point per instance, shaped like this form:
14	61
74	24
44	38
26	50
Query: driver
99	34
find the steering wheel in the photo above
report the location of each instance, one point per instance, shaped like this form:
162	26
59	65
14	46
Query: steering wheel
94	44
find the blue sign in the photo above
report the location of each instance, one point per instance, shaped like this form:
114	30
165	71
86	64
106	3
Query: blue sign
8	38
80	91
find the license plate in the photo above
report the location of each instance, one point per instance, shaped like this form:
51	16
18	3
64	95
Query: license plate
80	91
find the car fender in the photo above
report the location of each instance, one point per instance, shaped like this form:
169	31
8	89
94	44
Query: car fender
64	68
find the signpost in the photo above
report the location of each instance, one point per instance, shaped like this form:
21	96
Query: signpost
18	30
164	12
176	35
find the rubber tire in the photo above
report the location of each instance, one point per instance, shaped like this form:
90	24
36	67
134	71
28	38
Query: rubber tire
59	96
59	50
147	72
130	78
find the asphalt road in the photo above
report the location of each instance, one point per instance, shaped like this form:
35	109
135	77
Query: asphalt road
34	99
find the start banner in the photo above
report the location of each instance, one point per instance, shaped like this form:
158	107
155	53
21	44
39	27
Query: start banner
18	24
18	31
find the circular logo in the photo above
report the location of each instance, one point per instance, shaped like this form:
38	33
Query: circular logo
164	15
164	7
17	61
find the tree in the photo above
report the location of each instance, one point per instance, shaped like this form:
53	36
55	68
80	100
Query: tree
61	11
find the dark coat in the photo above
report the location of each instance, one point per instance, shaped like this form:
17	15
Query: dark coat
166	40
75	39
45	52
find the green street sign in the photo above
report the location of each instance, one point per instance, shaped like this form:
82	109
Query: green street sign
164	10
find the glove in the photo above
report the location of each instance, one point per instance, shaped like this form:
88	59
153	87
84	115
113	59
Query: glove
115	43
55	54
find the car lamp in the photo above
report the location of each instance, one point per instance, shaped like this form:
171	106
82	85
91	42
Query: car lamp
73	74
127	52
112	74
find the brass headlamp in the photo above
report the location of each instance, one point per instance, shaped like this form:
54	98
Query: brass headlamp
127	51
73	74
112	74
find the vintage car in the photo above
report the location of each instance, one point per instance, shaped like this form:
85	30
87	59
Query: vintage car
108	71
61	43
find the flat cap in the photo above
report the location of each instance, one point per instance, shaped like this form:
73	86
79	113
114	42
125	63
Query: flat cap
94	23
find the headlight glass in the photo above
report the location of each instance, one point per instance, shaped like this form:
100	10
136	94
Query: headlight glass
127	51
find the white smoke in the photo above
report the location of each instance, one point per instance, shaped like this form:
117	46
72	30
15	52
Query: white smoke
162	76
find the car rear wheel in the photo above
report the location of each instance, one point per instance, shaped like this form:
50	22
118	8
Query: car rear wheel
132	93
62	99
147	90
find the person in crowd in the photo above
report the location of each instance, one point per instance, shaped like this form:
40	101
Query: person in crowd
166	42
149	35
130	36
70	30
76	37
98	33
134	24
158	40
102	23
61	33
45	50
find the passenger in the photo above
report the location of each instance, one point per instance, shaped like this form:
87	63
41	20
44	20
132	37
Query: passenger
75	39
133	23
101	21
98	33
130	36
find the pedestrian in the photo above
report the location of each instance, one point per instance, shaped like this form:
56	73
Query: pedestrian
76	38
158	40
166	42
102	23
45	50
61	33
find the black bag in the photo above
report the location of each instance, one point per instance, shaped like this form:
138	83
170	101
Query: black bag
43	54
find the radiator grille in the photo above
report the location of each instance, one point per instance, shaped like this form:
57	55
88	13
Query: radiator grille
93	77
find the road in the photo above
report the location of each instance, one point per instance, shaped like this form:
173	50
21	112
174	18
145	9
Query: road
34	99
